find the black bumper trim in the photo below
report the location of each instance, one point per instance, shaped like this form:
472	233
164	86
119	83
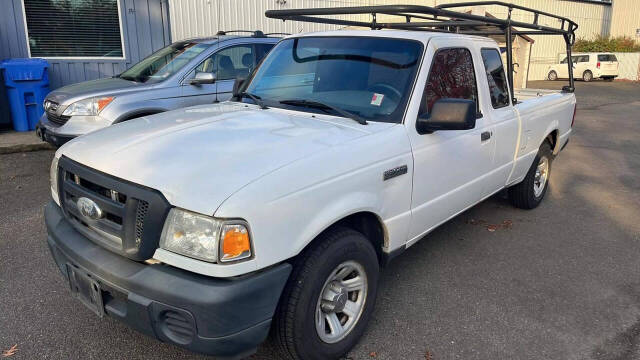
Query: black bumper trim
53	139
229	316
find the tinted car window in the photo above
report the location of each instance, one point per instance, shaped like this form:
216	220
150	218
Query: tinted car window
164	62
229	63
451	76
496	78
607	57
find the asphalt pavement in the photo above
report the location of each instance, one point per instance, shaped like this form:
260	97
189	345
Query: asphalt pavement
558	282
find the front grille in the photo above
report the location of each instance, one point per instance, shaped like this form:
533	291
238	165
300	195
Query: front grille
53	117
131	218
141	213
58	120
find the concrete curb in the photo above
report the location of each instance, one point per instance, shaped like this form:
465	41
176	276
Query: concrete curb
18	148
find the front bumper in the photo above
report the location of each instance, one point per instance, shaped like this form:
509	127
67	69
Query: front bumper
225	317
75	126
51	137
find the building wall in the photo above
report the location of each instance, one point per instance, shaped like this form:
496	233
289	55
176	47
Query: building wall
629	66
625	19
145	29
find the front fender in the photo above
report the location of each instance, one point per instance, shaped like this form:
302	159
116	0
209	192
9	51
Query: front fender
288	208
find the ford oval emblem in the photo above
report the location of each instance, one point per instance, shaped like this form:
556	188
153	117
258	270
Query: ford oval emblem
89	209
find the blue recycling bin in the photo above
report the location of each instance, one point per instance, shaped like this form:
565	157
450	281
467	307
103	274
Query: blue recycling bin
27	84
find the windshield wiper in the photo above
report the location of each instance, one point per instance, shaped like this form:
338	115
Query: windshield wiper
256	99
324	106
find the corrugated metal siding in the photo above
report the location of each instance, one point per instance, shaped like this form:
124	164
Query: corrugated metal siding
625	19
145	28
196	18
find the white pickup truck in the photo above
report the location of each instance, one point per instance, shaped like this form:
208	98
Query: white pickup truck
208	226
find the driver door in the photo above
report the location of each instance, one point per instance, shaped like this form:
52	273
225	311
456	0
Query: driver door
196	94
450	166
226	64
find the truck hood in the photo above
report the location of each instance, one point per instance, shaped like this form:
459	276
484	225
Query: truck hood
101	87
199	156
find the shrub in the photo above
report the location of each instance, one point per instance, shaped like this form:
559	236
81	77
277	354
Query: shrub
606	44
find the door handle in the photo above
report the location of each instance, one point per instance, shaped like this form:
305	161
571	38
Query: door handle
485	135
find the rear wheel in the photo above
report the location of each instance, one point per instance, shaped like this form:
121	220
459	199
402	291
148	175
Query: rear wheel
587	76
529	193
329	298
553	76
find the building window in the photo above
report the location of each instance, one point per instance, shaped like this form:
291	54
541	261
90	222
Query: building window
74	28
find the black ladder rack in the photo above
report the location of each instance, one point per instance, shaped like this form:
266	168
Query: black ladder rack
443	18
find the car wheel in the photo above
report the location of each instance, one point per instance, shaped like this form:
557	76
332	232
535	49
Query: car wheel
529	193
587	76
329	298
553	76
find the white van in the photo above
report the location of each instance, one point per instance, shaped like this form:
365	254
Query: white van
587	67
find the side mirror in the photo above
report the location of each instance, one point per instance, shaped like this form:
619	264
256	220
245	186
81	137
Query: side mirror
448	114
238	88
203	78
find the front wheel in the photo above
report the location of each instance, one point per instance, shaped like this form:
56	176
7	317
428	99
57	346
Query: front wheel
529	193
329	298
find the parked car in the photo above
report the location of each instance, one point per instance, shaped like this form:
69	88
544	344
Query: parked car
208	226
586	67
185	73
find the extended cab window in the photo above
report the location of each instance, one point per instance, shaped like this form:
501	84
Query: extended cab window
451	76
496	78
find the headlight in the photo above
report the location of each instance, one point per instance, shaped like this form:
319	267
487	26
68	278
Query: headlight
204	237
53	176
88	107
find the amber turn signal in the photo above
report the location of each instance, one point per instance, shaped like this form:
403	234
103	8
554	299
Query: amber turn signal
102	102
236	244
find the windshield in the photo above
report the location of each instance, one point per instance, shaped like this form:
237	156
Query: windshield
368	77
164	62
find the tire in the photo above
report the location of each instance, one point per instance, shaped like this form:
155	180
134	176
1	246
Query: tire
528	194
553	76
294	327
587	76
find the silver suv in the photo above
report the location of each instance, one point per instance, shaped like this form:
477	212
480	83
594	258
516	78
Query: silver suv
185	73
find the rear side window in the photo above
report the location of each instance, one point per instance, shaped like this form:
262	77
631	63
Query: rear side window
583	58
496	78
607	57
451	76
